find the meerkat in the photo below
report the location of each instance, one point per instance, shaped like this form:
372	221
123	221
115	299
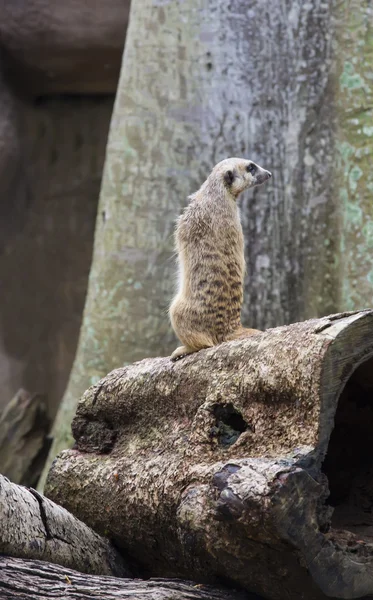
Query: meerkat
206	310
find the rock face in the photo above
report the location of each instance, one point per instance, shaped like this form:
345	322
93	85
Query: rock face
71	47
24	440
51	159
228	464
46	237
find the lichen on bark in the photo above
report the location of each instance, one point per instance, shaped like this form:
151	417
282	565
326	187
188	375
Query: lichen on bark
354	152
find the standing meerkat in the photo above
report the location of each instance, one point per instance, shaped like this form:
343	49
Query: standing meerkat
207	308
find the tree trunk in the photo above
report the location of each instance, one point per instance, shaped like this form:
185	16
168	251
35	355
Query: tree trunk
233	81
221	464
41	581
31	526
354	103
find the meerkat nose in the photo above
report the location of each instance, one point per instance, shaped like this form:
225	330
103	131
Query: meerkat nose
269	173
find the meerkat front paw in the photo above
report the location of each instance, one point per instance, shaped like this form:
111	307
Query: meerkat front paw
180	352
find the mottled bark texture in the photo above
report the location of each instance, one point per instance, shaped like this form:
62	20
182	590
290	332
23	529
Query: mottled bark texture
35	580
221	465
354	193
31	526
209	80
24	440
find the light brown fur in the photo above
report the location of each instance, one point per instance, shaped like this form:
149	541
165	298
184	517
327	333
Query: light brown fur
209	240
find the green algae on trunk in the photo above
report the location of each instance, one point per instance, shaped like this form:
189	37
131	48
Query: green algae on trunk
354	151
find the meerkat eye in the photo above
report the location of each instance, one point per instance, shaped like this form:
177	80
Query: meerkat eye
229	177
251	168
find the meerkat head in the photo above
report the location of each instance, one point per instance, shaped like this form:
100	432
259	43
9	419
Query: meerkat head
238	174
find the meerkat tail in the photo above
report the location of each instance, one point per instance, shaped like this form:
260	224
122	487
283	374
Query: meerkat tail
242	333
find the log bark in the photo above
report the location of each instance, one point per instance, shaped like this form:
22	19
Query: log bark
32	526
24	442
227	462
36	580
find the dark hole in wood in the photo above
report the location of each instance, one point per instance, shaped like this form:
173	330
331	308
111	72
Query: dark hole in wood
229	424
348	464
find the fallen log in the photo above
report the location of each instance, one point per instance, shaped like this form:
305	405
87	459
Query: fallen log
249	461
36	580
31	526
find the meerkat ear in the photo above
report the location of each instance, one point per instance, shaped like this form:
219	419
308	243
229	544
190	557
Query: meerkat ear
229	177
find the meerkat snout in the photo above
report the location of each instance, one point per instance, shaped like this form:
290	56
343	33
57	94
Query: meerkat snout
262	176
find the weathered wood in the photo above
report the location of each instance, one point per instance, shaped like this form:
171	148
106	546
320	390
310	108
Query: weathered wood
24	443
32	526
36	580
220	465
